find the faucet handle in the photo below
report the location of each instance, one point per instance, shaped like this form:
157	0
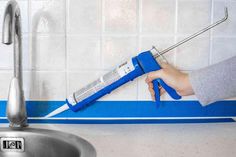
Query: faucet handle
16	110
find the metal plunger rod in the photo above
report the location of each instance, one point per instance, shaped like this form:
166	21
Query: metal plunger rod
192	36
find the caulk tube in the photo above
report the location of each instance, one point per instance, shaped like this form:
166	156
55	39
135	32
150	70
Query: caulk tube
124	73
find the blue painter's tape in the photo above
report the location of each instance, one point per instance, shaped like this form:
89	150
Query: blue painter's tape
148	109
132	112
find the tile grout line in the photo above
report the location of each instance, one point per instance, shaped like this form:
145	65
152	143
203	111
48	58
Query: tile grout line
211	33
29	34
126	35
102	29
139	27
66	47
59	71
30	38
29	15
176	30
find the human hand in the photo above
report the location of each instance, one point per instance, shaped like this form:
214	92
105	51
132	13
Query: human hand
171	76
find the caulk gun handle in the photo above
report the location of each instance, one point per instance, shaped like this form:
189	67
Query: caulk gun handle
149	64
168	89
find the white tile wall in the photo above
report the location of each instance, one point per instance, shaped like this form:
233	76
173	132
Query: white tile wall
158	16
45	85
7	54
229	28
193	15
194	55
47	52
120	16
83	16
47	16
83	52
52	85
223	48
116	50
5	78
68	43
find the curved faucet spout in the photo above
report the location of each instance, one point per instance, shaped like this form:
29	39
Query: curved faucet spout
12	32
11	18
16	111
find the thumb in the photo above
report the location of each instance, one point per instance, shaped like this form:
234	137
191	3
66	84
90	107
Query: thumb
154	75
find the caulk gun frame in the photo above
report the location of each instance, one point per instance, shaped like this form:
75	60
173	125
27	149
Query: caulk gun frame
193	36
158	53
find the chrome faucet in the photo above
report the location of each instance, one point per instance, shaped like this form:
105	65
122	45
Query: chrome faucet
16	110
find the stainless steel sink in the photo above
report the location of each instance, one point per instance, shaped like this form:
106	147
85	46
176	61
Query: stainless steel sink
29	142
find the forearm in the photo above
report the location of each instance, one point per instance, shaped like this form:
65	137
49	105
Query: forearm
215	82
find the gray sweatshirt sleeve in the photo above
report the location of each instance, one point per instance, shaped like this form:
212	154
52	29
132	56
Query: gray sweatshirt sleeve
215	82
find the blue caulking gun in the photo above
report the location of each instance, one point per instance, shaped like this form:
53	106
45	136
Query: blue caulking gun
143	63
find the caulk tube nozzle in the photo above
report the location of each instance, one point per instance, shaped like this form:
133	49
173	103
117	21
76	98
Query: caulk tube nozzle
57	111
69	102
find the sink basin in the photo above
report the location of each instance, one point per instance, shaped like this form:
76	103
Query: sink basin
29	142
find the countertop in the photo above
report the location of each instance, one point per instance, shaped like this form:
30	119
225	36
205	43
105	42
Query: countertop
155	140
